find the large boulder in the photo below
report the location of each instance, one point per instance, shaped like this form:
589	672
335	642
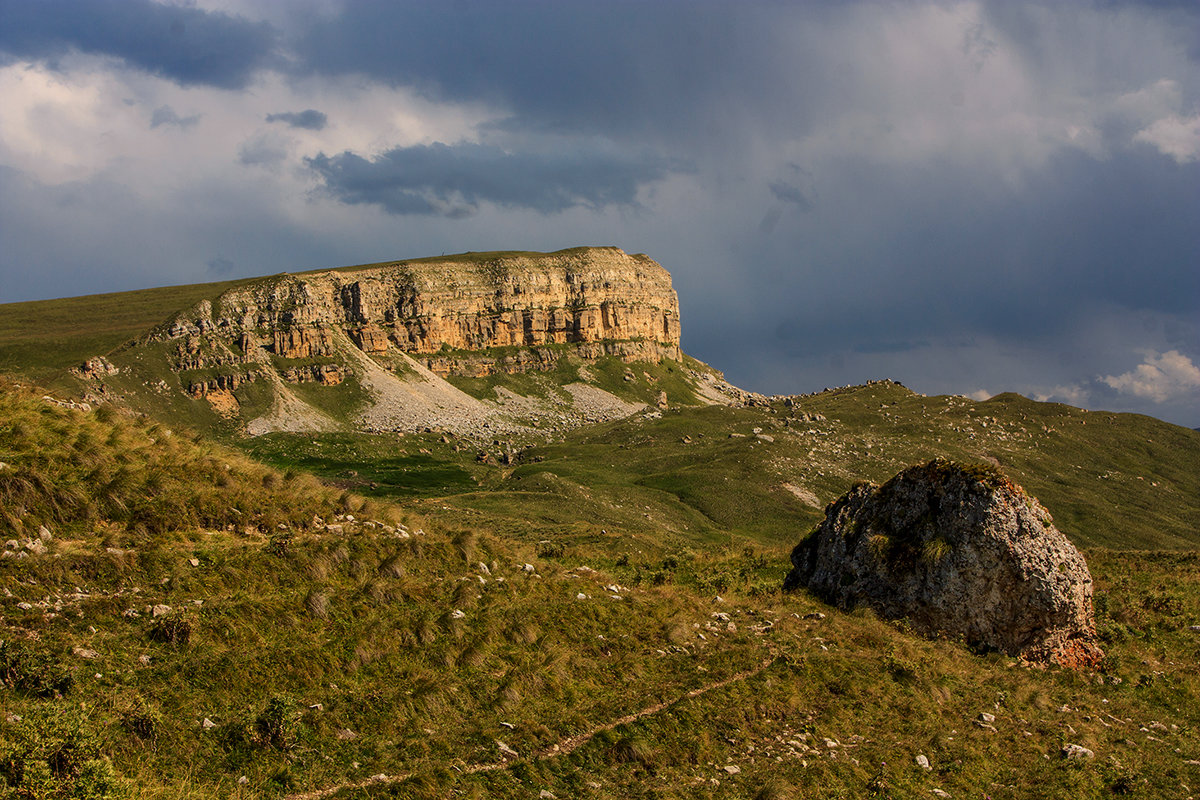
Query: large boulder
957	550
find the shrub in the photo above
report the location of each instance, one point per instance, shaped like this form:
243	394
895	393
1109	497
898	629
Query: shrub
278	723
52	753
173	629
33	672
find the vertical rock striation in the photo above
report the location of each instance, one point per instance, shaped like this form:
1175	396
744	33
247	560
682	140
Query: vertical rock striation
601	300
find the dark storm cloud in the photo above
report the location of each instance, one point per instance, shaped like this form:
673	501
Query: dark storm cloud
309	119
925	253
185	45
454	180
673	69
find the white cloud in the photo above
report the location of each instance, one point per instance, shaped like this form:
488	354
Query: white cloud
1174	136
1160	378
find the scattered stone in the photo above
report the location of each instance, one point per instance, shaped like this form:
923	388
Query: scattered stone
346	735
506	751
195	562
1077	752
243	780
985	718
732	769
36	546
546	794
84	652
44	533
817	615
581	596
939	792
208	724
923	761
957	550
131	613
25	606
527	567
457	614
144	659
160	610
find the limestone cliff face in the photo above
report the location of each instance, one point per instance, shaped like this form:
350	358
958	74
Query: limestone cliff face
601	299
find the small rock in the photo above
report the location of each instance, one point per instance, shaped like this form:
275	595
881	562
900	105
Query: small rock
732	769
44	533
84	652
484	568
208	724
25	606
457	614
346	735
242	781
830	743
923	761
1075	751
195	562
131	613
143	659
581	596
720	616
527	567
13	544
505	750
36	546
817	615
985	718
1194	628
545	794
939	792
160	610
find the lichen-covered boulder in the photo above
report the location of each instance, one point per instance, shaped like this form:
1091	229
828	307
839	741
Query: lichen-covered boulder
957	550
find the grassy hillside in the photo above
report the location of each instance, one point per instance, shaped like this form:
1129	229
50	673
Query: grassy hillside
593	613
42	338
692	477
195	625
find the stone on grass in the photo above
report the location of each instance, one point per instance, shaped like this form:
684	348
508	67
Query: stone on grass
1076	752
957	550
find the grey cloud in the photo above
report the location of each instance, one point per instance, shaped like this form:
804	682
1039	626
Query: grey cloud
446	180
263	150
165	115
183	44
790	193
309	119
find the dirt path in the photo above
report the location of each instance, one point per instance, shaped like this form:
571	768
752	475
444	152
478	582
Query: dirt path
561	748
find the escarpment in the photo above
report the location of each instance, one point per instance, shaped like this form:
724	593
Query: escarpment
417	344
446	313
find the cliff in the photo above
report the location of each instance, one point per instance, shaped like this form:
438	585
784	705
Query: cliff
601	300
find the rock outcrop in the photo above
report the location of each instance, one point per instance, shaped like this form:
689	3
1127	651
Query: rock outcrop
956	550
601	300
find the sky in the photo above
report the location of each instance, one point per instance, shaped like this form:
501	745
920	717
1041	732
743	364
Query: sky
966	197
